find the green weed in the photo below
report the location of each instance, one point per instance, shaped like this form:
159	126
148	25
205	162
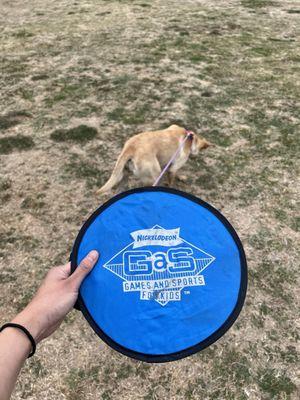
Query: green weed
257	3
15	143
13	118
275	383
79	134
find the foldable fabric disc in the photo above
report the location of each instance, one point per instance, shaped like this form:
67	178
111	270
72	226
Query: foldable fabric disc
171	278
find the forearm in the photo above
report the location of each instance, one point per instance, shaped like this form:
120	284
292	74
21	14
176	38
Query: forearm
54	299
14	349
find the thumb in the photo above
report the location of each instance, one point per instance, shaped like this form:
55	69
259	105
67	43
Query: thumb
84	268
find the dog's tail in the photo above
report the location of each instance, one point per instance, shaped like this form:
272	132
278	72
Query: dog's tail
117	173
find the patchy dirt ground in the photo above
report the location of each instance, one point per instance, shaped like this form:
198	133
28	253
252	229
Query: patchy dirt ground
227	69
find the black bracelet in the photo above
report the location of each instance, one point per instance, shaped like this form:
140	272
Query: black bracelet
28	334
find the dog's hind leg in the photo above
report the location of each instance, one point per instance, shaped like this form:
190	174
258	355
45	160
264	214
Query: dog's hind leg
171	178
147	170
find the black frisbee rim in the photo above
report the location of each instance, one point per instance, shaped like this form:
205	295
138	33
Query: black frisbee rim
161	358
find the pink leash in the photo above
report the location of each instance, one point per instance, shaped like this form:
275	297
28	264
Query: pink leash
180	147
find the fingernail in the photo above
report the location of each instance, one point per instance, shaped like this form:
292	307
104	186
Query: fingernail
93	255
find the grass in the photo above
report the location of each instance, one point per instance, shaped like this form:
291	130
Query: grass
5	184
11	238
13	118
239	366
277	276
7	276
15	143
134	117
257	3
39	77
23	34
275	384
79	134
33	203
84	170
78	380
67	92
227	71
38	369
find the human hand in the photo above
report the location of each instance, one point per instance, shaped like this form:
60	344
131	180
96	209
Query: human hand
55	298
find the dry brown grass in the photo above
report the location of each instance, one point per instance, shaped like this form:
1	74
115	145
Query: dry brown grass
228	69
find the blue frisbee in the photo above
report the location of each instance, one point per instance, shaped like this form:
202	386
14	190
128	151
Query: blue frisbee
171	278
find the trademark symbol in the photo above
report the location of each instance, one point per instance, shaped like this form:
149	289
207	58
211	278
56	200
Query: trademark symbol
187	292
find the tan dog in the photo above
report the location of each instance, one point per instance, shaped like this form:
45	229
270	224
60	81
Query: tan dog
149	152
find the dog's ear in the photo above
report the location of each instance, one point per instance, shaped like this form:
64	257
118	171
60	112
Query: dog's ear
195	144
205	143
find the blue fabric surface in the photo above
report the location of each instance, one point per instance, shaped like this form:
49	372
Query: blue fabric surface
165	289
